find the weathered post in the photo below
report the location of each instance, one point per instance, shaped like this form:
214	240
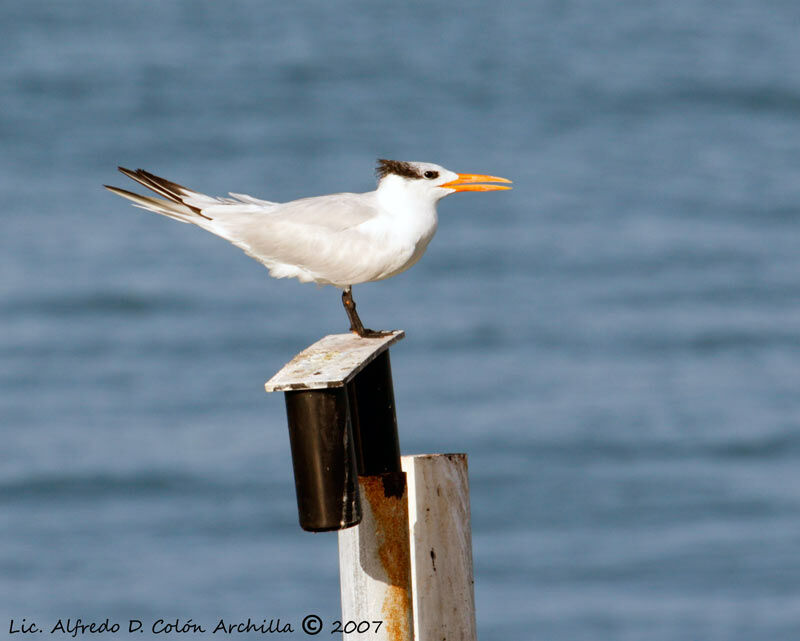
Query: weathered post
346	457
401	523
441	547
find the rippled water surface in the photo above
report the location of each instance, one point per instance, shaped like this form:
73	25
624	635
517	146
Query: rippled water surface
614	343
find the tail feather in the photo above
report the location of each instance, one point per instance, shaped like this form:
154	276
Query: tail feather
164	207
178	203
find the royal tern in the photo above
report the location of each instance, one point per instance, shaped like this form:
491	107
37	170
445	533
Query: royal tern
339	239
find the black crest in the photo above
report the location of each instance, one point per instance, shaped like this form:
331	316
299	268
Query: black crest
398	167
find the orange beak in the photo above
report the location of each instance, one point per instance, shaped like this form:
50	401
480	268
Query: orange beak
468	182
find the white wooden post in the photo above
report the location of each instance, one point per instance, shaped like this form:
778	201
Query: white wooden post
438	542
441	547
374	564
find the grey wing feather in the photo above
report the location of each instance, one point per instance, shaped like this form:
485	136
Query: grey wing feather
336	212
327	227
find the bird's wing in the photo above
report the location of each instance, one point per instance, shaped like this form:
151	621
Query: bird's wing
314	235
336	212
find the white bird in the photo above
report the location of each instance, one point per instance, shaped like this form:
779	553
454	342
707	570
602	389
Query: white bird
339	239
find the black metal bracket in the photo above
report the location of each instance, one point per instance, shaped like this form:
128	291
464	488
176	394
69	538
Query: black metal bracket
342	424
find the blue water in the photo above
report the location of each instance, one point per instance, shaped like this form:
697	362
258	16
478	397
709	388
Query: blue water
615	343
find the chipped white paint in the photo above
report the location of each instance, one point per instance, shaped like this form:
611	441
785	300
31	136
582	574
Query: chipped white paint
441	547
330	362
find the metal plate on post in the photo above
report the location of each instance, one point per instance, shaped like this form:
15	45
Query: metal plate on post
330	362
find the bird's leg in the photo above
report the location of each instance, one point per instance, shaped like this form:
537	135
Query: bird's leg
355	322
350	307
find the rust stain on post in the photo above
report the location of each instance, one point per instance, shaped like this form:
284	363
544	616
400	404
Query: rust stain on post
388	501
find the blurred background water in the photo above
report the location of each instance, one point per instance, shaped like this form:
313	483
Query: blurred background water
614	343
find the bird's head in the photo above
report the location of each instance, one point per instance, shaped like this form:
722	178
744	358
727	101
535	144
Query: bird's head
427	181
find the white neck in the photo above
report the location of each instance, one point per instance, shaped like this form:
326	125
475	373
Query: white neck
396	197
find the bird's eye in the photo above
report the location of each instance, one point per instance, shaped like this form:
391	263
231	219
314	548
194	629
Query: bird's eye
431	174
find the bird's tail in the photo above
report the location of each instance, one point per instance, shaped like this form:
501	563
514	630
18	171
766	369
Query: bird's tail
178	202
